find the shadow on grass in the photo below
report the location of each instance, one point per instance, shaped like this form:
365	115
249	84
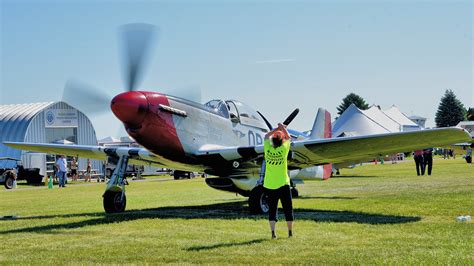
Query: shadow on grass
354	176
229	210
220	245
329	198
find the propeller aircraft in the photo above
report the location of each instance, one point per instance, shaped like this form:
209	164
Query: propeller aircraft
223	138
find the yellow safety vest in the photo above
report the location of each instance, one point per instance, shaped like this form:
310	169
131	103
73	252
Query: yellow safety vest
276	168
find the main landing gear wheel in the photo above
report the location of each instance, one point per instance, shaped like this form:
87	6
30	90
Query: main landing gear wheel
114	201
258	201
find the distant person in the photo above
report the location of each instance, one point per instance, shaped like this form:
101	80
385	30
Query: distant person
61	165
104	169
276	180
428	159
420	165
56	174
88	175
445	154
394	158
74	169
468	155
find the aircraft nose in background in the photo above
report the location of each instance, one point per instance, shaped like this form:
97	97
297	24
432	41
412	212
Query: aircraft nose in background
130	107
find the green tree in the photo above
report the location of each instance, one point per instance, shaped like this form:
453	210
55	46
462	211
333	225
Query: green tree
470	114
352	98
450	110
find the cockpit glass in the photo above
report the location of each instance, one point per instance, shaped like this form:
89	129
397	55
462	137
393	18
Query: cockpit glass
242	112
246	111
219	107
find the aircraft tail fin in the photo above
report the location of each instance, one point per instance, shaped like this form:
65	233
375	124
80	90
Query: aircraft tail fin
322	125
322	129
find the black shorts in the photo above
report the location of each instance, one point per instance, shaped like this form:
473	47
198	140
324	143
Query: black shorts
284	194
73	171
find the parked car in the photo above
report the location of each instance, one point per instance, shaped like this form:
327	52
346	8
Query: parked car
177	174
132	170
18	172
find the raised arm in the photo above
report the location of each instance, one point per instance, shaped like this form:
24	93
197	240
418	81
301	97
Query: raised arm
267	136
282	128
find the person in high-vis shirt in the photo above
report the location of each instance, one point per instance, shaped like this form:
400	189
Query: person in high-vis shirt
276	181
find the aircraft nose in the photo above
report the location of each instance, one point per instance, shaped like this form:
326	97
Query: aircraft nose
130	107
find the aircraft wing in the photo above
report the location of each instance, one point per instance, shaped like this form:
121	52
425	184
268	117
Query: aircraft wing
138	156
307	153
313	152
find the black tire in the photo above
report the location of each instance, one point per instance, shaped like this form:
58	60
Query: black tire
9	180
113	201
10	177
258	201
294	193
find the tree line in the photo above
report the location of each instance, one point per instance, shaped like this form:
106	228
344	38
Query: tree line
450	111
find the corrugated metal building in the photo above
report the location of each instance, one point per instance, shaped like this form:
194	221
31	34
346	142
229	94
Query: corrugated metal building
51	122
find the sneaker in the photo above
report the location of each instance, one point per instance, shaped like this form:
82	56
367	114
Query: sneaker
274	235
290	233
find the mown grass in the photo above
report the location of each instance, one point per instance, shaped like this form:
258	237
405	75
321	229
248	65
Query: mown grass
374	214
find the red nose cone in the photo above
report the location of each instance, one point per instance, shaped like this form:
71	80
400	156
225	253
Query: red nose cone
130	107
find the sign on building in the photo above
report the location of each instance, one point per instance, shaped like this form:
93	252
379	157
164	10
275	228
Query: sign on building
61	118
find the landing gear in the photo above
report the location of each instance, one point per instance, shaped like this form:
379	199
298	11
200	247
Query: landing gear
114	195
114	201
258	200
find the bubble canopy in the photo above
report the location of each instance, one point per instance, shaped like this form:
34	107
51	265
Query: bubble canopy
237	111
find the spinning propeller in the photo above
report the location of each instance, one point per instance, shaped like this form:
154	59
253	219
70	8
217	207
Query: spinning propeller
137	42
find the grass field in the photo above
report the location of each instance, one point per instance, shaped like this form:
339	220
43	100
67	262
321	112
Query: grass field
374	214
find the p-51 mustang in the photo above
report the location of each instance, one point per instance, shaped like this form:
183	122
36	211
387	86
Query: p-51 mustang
222	138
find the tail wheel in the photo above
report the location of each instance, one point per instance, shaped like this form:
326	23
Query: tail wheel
258	201
114	201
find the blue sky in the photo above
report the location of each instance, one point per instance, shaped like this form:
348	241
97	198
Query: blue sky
274	55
